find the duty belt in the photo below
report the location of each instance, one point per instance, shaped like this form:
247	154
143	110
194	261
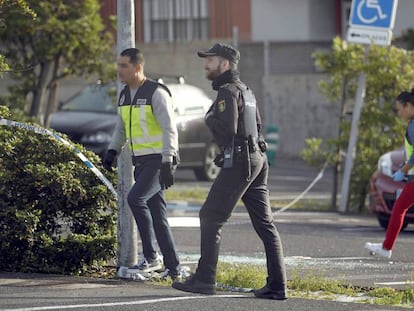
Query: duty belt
239	146
138	160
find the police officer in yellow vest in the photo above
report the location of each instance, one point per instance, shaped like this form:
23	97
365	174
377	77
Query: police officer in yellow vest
235	123
146	123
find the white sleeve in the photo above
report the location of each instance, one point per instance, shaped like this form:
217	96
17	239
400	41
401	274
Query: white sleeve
118	136
162	107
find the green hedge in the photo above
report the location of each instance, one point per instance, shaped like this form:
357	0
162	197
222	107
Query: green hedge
56	216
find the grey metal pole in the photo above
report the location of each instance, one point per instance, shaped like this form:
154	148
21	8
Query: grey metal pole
127	229
268	117
353	137
235	36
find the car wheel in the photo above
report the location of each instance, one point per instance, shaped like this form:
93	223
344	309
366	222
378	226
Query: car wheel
385	219
209	170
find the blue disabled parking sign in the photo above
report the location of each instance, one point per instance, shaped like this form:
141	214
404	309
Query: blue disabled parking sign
378	14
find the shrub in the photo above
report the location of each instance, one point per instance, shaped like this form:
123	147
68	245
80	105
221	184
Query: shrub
56	216
389	70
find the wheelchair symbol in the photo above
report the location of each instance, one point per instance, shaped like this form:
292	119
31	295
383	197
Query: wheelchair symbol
368	6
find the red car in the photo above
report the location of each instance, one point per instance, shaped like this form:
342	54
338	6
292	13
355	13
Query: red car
383	189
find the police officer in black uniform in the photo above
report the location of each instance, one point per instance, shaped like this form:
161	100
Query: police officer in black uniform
236	125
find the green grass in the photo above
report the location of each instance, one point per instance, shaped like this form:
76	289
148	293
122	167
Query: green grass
241	275
195	195
315	281
391	296
198	196
310	285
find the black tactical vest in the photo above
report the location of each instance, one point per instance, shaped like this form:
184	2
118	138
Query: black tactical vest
246	102
143	96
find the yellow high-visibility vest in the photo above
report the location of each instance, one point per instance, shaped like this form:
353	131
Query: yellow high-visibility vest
408	152
143	132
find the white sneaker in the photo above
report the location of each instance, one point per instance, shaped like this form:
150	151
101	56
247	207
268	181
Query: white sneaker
180	274
169	274
145	266
377	249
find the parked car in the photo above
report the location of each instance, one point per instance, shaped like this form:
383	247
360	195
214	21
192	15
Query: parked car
383	189
89	118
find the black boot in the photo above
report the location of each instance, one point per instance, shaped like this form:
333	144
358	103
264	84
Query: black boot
193	285
268	293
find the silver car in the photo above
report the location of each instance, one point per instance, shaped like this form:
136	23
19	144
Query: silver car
89	118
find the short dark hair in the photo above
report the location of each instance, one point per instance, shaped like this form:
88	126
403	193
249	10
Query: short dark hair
232	66
135	56
406	97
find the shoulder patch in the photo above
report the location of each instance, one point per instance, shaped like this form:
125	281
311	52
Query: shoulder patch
221	105
121	100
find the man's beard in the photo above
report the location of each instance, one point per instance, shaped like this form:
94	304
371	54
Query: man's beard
212	74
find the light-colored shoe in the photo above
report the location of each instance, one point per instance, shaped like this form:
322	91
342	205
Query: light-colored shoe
378	249
145	266
179	275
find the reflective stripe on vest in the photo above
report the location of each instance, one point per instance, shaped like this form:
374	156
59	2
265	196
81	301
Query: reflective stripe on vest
408	152
141	127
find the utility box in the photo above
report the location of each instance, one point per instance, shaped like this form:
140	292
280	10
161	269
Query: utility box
272	139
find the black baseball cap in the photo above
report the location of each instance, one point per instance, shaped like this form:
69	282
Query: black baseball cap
223	50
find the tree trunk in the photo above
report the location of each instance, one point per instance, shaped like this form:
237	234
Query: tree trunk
51	104
38	94
335	186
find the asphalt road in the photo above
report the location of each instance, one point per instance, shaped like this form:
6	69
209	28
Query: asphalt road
324	244
80	294
288	177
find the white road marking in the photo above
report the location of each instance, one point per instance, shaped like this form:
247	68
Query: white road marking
361	229
126	303
394	283
193	222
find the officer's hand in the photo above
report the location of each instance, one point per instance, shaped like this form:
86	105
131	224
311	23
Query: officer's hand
109	159
262	144
398	176
219	160
166	175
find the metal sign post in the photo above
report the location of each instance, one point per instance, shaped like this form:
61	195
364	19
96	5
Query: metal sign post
350	155
127	229
371	22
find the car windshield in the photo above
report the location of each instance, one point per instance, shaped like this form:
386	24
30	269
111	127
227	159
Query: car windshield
189	100
93	98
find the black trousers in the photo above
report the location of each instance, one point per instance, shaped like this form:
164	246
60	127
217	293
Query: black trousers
230	186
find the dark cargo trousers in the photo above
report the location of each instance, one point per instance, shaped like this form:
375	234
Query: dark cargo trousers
230	186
